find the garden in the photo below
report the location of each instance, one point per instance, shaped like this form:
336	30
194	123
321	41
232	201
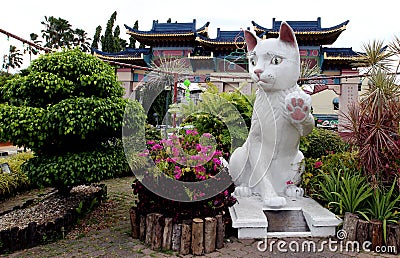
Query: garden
67	111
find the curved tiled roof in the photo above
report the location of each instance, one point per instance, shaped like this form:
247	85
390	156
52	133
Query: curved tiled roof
307	32
169	29
231	39
130	55
343	56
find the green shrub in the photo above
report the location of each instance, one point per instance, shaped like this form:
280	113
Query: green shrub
342	189
16	181
321	142
314	166
71	168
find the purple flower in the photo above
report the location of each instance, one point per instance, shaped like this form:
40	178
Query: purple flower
157	147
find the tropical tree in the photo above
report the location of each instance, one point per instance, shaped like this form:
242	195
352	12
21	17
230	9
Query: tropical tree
96	38
132	40
81	40
69	111
59	33
13	59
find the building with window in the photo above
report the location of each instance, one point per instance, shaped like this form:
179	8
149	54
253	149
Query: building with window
222	60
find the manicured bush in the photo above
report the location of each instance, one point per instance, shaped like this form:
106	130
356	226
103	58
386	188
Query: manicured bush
17	181
66	109
321	142
75	168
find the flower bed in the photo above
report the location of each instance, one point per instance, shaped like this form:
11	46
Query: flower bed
40	221
163	189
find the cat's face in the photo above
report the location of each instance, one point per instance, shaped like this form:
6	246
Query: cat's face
274	64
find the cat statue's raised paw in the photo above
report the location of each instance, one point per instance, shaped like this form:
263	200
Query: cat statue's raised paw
281	115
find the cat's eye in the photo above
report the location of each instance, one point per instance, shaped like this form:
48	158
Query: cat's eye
276	60
253	61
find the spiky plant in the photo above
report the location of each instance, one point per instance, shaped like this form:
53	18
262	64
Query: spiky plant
156	91
308	71
394	48
374	121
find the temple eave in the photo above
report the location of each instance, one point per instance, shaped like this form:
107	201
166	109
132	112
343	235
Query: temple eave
154	35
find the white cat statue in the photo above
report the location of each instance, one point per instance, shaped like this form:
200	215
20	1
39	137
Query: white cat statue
270	157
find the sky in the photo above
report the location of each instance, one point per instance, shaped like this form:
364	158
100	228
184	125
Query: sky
369	20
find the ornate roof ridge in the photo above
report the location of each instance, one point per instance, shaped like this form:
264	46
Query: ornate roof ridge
132	52
300	26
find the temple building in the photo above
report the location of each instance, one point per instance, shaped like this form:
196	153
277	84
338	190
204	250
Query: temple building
222	60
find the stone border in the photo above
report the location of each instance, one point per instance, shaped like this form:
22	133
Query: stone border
13	239
197	236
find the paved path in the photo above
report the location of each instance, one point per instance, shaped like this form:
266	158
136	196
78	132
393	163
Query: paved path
106	233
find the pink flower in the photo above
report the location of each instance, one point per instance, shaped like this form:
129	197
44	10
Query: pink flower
207	135
318	164
157	147
290	182
177	172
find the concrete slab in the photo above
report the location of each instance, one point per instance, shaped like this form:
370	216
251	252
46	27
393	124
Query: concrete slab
249	218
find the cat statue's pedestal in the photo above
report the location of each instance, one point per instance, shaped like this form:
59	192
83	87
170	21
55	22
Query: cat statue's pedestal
301	217
270	157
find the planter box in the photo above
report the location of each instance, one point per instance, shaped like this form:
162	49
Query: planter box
197	236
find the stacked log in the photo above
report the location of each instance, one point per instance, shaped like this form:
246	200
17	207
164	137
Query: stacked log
197	236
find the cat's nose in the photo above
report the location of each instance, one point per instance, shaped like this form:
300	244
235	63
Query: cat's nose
258	72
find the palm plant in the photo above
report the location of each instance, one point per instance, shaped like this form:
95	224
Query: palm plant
57	33
374	121
394	48
81	40
13	59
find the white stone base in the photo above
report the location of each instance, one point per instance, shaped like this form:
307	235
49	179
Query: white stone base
249	218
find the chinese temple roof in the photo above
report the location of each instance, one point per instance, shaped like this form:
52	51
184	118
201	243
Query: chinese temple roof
307	32
130	55
172	32
343	56
225	39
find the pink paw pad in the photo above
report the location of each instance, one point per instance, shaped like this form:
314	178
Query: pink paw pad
297	109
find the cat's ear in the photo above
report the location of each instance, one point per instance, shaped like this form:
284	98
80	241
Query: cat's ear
251	40
286	34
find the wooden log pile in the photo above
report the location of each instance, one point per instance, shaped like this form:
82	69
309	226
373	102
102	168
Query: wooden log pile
197	236
362	231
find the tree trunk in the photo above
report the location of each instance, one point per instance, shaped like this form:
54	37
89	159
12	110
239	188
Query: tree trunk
142	229
197	236
176	237
158	226
149	228
220	231
350	225
362	231
134	222
185	239
393	237
210	233
376	233
167	234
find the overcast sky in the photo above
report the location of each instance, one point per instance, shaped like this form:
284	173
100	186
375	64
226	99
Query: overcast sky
368	19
